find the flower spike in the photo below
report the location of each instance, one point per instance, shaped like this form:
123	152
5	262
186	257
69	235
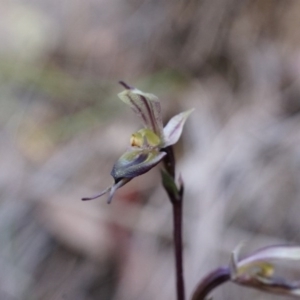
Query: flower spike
147	144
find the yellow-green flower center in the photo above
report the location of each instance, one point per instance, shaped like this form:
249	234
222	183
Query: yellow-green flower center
144	137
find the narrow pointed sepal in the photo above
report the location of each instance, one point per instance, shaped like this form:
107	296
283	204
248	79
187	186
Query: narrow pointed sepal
173	129
111	190
135	163
116	186
98	195
146	106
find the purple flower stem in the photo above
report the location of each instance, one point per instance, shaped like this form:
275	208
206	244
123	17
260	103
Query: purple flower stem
177	234
210	282
176	200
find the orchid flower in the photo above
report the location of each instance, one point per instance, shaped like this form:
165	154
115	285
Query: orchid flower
258	271
146	145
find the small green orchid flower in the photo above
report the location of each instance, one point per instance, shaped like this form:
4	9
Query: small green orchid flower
258	271
147	144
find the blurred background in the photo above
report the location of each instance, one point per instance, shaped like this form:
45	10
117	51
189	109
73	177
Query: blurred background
237	62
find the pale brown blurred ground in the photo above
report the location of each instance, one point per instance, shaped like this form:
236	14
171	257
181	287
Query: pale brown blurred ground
62	127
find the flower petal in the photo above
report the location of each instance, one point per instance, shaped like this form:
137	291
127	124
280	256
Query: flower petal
146	106
274	285
173	129
135	163
272	253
